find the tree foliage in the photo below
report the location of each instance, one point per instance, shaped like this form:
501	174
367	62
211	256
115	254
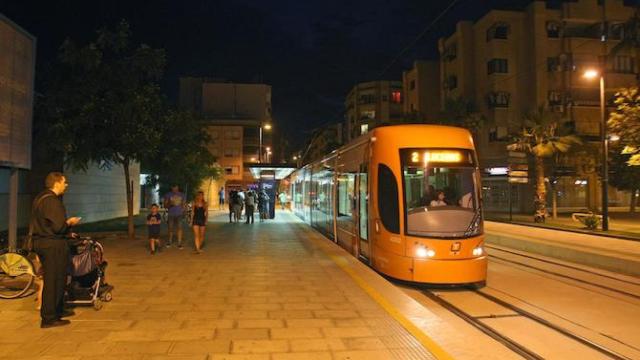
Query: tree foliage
462	112
541	138
624	121
183	158
103	103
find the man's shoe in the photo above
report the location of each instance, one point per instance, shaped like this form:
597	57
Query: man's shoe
67	313
55	323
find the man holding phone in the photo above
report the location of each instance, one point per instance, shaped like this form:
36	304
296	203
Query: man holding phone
51	228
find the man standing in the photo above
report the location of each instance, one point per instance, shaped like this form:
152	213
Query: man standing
250	203
50	229
174	201
221	198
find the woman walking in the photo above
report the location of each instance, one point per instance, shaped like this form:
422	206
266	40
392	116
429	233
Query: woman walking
199	216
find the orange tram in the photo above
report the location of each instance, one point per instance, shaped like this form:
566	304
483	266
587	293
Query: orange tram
404	199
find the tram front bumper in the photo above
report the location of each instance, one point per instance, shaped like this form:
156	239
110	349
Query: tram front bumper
450	271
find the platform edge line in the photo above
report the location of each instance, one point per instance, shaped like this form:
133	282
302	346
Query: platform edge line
434	348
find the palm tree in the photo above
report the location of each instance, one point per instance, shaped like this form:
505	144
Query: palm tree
540	138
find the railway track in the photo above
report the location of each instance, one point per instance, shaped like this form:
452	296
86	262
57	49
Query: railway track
518	348
565	276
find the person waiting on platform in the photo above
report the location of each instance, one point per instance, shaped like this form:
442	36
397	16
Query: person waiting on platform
198	221
439	200
250	203
283	200
51	229
153	226
263	205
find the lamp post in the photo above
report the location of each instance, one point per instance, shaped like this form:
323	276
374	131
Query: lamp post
592	74
267	127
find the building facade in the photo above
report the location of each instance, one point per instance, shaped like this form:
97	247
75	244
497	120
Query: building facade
372	104
422	101
236	115
511	62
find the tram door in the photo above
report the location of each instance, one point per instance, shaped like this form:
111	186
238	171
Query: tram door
364	247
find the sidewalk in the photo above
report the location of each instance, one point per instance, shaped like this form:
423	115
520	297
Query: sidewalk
618	255
262	291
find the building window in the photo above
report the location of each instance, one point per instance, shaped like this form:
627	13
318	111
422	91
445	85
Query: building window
499	99
231	152
451	82
623	64
555	98
498	31
232	135
412	84
498	133
368	114
497	66
553	29
232	170
364	128
553	64
396	97
616	31
367	99
450	52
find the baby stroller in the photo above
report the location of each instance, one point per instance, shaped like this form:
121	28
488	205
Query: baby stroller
87	269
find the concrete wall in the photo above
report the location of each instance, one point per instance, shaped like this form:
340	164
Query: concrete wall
24	199
100	194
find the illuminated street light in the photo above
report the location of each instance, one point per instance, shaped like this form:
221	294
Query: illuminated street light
614	137
593	74
266	127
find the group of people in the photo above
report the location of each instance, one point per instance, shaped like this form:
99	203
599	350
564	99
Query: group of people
176	205
247	200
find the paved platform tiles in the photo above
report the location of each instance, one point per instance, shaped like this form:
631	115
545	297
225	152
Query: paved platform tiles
262	291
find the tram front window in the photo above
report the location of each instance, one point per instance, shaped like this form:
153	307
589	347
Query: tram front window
441	193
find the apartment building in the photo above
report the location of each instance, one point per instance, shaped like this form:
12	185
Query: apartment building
510	62
422	101
235	114
372	104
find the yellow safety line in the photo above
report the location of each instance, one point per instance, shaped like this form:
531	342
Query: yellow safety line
425	340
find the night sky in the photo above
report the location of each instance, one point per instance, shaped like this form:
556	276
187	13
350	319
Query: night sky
310	51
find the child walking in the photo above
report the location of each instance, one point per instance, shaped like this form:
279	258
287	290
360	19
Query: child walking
153	225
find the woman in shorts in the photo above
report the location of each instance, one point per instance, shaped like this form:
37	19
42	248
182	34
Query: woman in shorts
199	216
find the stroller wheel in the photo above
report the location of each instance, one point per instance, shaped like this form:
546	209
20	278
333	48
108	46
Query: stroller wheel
106	297
97	304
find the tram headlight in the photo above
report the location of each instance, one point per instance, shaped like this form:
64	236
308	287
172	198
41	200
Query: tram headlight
477	251
423	252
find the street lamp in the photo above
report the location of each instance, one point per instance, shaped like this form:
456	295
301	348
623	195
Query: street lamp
592	74
267	127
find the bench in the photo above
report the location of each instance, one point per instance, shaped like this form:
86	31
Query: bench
580	217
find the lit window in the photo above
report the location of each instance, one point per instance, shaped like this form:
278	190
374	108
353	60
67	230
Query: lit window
396	97
364	128
368	114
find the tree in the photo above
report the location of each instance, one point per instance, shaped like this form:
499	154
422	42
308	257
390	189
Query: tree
624	122
540	138
183	158
104	103
462	112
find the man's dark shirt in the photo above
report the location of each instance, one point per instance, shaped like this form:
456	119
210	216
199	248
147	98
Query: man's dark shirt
50	218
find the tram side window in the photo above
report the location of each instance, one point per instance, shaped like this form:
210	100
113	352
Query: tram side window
346	192
388	199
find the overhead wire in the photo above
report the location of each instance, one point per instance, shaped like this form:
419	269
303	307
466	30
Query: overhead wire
420	35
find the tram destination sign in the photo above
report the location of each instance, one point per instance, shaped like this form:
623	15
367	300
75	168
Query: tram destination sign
17	68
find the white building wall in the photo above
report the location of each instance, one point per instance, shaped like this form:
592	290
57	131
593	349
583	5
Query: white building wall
100	194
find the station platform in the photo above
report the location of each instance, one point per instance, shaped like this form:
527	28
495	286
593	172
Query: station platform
608	253
275	290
